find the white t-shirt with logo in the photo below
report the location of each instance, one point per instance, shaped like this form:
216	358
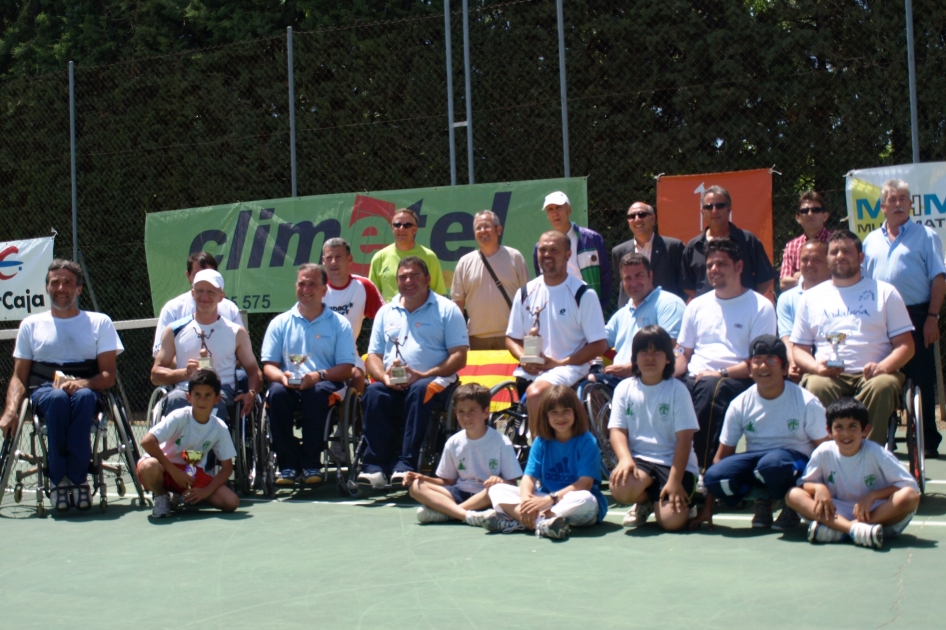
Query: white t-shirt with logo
178	431
849	479
471	462
793	420
870	313
220	339
184	305
47	339
652	415
719	331
355	301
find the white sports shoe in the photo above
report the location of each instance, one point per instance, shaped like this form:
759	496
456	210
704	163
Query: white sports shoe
638	514
397	479
476	519
426	515
819	533
867	535
375	480
162	506
556	527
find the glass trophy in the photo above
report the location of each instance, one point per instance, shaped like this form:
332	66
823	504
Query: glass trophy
836	340
192	458
296	361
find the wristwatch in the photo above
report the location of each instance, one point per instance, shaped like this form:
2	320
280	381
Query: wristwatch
724	373
323	375
933	315
554	496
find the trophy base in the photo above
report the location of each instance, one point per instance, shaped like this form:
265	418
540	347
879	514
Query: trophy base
834	364
294	381
536	360
399	376
205	363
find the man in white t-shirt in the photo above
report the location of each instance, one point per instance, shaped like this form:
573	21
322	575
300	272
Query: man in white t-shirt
782	424
352	296
475	289
81	344
206	337
714	337
877	335
570	323
183	305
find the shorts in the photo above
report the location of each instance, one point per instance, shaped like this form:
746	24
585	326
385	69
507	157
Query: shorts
566	375
661	474
459	495
846	509
201	480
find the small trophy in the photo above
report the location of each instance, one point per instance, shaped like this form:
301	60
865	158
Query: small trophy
533	345
296	360
398	371
836	340
205	359
192	458
61	379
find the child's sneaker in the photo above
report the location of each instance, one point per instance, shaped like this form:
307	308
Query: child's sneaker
426	515
312	476
286	477
496	522
787	519
638	514
162	506
820	533
475	518
556	527
867	535
763	514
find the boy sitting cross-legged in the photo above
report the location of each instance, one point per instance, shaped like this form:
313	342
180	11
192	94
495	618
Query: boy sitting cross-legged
474	459
852	487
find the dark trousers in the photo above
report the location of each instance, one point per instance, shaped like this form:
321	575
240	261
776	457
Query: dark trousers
711	397
388	412
68	421
290	452
921	369
734	477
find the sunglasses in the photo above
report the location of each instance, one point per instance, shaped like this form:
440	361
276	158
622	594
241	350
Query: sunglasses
639	215
719	205
814	210
403	225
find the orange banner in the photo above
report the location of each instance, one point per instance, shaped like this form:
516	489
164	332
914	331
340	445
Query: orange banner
678	203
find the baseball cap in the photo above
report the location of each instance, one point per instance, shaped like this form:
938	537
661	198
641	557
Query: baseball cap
768	344
558	198
209	275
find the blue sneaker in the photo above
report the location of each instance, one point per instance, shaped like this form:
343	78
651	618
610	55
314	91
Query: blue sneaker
312	476
286	477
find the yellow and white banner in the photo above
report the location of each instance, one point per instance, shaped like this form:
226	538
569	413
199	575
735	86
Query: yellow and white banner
23	266
927	186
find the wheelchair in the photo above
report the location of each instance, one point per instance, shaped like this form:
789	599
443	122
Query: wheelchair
909	415
24	456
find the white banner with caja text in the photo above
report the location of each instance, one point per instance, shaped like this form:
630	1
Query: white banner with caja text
23	266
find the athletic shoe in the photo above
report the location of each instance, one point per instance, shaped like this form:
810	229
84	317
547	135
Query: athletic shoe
312	476
61	497
867	535
162	506
497	522
286	477
426	515
374	481
763	514
556	528
638	514
820	533
397	478
787	519
476	519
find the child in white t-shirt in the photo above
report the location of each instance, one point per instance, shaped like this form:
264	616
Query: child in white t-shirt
193	431
853	488
473	460
651	431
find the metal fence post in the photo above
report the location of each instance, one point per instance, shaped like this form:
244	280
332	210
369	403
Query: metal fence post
72	152
292	113
469	103
561	77
453	148
911	72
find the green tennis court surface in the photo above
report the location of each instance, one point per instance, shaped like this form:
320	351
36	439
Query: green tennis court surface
314	560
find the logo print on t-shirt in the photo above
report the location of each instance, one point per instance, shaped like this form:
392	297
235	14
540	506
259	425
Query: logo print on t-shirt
831	477
870	480
460	466
664	409
206	445
793	425
493	465
343	309
559	472
629	411
866	295
751	426
561	312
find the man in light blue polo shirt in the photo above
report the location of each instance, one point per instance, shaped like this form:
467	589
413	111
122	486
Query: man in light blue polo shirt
323	338
424	333
647	306
813	266
909	256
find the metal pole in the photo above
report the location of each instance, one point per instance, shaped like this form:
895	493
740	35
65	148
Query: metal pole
292	113
469	103
561	78
911	72
72	151
453	146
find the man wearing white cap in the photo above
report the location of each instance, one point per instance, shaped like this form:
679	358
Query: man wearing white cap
194	339
589	261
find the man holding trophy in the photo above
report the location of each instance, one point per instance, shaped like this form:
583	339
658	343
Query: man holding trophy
308	354
852	335
556	326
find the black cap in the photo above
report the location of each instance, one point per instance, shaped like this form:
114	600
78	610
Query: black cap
768	344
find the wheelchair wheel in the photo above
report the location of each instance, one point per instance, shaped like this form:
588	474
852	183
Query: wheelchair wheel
23	459
10	461
239	462
915	438
157	398
266	457
503	397
127	448
246	449
599	426
514	424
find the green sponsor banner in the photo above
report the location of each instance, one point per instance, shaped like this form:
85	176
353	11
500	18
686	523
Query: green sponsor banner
259	244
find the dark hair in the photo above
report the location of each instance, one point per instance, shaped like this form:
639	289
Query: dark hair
847	408
408	211
336	242
204	377
810	195
313	267
414	261
68	265
657	338
847	235
559	397
724	246
816	242
203	260
716	190
472	391
633	258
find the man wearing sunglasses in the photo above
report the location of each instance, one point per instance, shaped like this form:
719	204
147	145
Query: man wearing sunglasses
383	272
811	216
716	208
664	254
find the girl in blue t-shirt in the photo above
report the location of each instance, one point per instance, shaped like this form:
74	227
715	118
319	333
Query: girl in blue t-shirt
560	484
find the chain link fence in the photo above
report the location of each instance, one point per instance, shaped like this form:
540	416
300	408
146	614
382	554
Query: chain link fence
683	86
